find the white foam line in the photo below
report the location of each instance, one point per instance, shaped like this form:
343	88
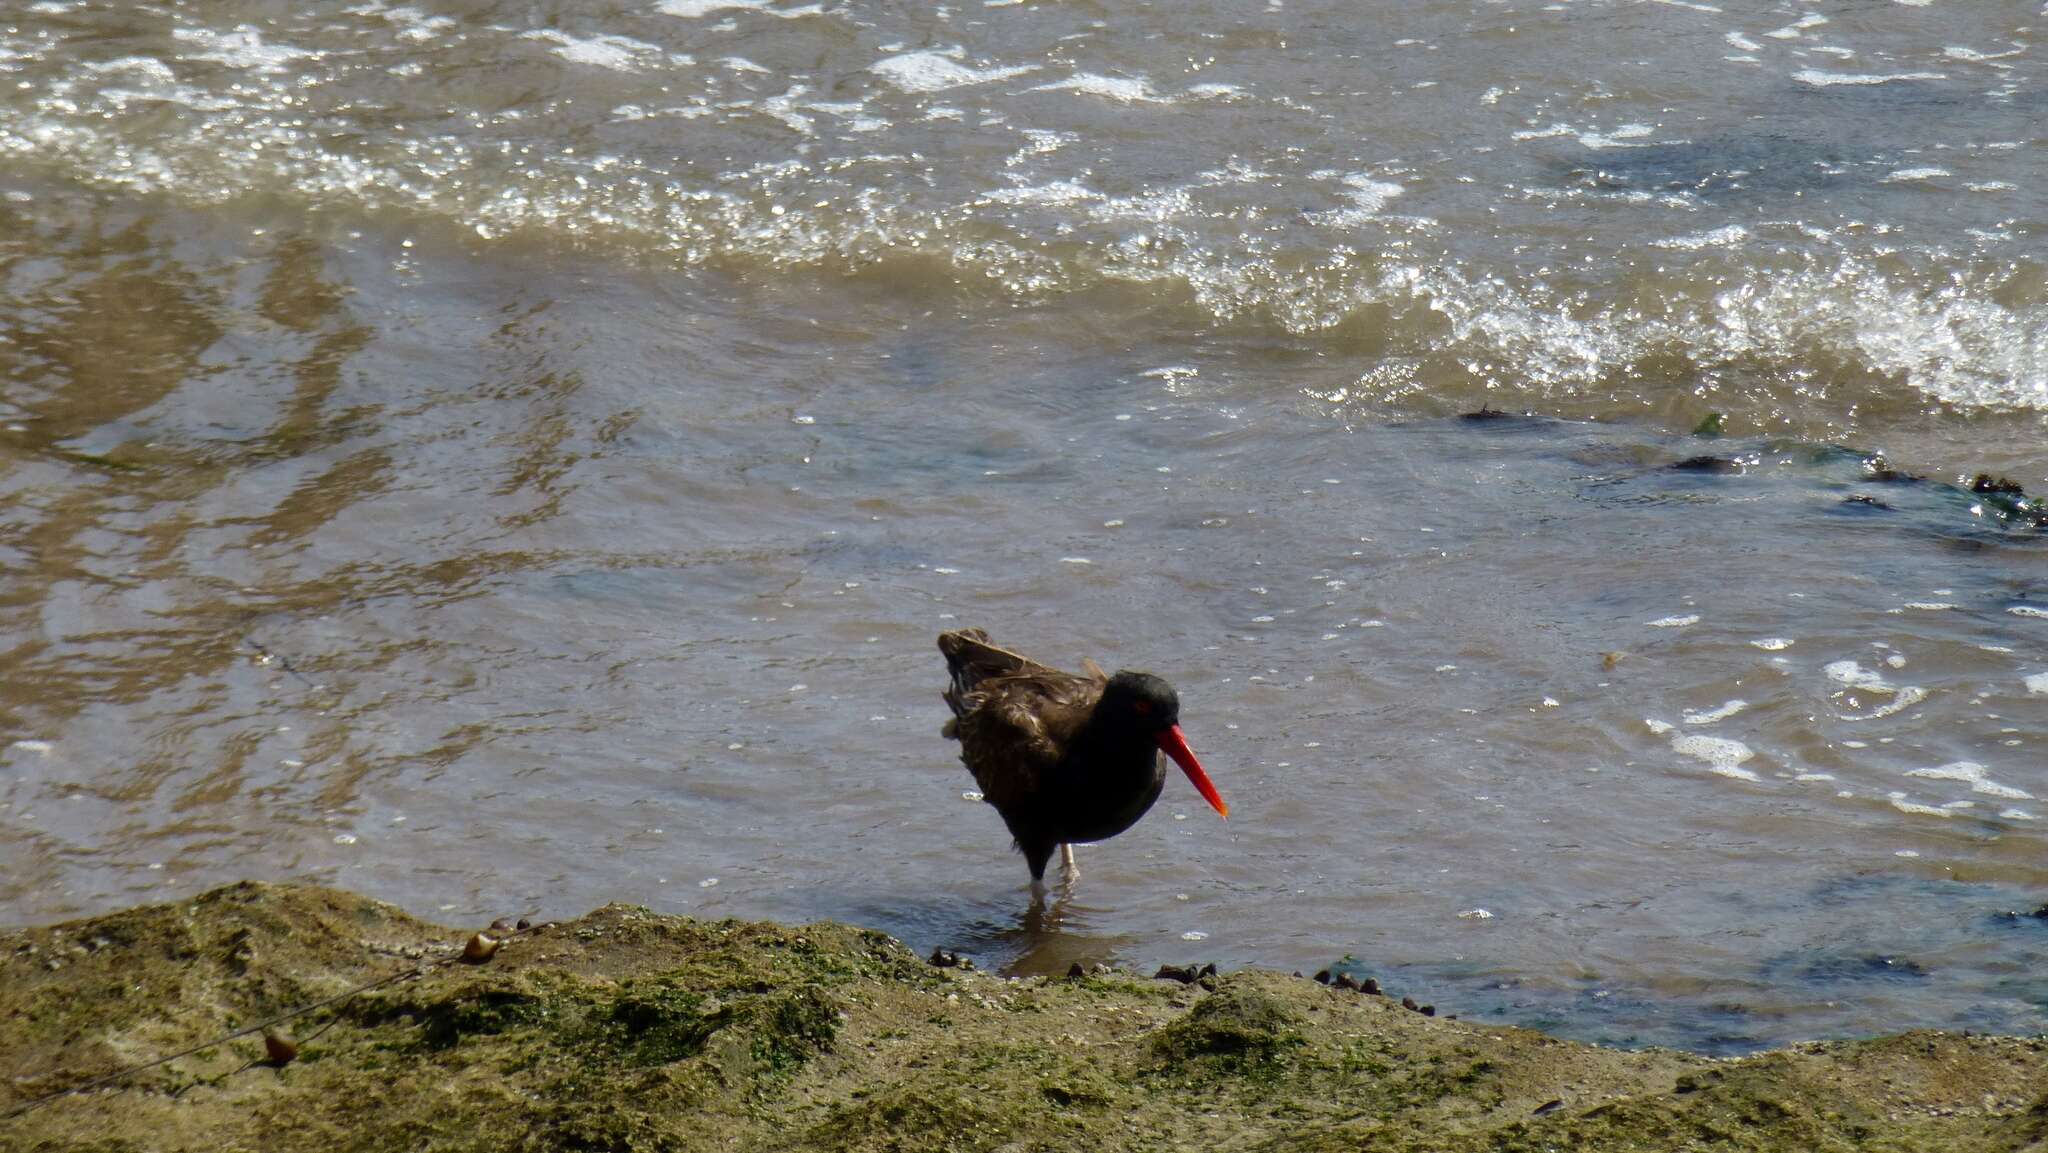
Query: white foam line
694	9
1819	79
1124	89
1975	775
242	48
1903	805
1719	237
1711	715
1722	755
618	53
921	72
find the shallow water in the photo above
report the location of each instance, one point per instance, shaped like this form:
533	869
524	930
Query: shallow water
497	457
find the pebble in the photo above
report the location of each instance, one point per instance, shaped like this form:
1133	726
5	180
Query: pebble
479	949
1185	974
278	1049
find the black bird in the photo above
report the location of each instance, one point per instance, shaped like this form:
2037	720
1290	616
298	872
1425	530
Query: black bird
1063	757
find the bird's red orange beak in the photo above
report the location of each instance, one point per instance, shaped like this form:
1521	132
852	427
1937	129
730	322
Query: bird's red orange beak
1175	745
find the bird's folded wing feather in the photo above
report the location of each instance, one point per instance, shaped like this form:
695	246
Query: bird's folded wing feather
1007	731
971	659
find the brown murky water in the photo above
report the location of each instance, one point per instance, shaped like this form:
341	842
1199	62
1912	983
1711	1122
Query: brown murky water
490	461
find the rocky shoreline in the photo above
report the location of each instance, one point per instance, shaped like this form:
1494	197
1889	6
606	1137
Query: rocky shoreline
628	1030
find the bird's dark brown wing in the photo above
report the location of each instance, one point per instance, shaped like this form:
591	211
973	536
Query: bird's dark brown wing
1013	730
971	659
1012	716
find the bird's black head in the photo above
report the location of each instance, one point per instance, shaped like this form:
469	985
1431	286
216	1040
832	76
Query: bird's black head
1139	701
1143	706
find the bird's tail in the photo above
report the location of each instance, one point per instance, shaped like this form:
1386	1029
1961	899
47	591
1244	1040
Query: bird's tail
971	659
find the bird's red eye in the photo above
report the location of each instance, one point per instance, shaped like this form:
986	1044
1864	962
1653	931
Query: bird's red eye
1142	708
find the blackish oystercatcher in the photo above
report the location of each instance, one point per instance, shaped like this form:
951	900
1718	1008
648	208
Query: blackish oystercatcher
1063	757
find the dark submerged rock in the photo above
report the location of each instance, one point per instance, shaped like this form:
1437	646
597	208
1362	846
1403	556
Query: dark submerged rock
1486	412
1876	468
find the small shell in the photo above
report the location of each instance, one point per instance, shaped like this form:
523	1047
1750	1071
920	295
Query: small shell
279	1049
479	949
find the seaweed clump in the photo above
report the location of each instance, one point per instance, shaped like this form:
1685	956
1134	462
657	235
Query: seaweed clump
2008	501
1240	1027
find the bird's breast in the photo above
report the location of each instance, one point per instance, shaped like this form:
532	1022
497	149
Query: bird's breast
1098	801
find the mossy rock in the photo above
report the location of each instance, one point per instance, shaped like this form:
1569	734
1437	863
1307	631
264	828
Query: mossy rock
480	1012
1235	1027
656	1022
625	1030
482	1006
788	1028
914	1117
662	1021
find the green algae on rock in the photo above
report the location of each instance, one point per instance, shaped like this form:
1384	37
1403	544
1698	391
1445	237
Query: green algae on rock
626	1030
